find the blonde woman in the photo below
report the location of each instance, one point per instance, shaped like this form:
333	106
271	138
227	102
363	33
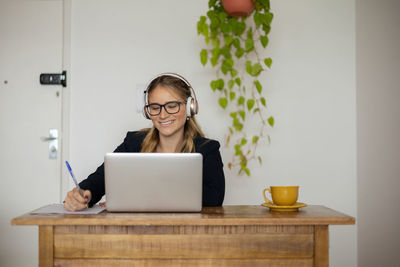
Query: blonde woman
171	104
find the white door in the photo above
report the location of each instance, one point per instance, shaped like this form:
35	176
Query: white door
31	40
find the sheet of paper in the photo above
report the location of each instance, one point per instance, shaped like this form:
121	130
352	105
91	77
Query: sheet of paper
59	209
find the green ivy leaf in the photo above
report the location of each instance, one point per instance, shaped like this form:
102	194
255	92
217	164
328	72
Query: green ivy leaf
264	40
230	62
214	61
271	121
206	35
203	57
242	114
215	56
256	110
228	40
253	70
255	139
259	160
236	43
249	45
232	20
238	81
268	62
247	171
243	141
264	3
237	124
241	100
234	72
202	28
222	16
227	65
232	96
226	28
233	114
258	86
238	150
250	33
250	104
211	3
239	52
270	16
215	42
223	102
257	19
231	83
238	28
216	52
263	102
214	85
226	52
256	69
214	26
205	32
220	84
249	67
242	27
200	24
264	18
211	14
266	28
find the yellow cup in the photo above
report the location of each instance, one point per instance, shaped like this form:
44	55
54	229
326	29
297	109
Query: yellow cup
282	195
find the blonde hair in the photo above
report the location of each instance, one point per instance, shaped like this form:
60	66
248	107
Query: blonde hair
191	129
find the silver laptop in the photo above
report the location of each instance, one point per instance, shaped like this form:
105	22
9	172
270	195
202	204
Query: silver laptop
153	182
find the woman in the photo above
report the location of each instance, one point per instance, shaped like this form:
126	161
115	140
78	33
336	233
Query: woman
171	104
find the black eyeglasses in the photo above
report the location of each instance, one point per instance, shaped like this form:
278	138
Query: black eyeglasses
171	107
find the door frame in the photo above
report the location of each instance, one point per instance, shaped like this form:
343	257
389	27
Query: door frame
66	98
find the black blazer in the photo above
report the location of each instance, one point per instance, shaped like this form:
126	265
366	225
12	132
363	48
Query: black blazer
213	174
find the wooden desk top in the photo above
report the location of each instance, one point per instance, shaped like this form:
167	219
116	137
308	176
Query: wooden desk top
225	215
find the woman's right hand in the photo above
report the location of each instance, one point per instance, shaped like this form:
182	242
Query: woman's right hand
77	200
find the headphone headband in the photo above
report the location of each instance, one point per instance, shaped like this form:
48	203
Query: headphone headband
191	103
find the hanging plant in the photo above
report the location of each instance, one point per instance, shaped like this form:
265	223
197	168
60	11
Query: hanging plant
234	50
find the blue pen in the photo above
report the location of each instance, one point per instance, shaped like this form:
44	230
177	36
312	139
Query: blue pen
75	181
72	175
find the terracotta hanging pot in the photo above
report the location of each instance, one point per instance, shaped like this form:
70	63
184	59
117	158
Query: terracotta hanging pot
238	8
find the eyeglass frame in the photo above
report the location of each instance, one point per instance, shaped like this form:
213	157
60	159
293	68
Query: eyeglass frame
164	106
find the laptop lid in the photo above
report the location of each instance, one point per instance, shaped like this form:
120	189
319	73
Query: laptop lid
153	182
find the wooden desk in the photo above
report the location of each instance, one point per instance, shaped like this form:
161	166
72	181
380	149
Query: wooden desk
218	236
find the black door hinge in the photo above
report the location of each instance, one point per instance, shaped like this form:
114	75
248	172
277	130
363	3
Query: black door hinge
54	78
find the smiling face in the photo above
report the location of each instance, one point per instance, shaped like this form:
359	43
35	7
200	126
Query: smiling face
168	125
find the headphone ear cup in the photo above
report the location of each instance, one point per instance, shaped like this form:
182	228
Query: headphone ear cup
189	105
195	109
145	114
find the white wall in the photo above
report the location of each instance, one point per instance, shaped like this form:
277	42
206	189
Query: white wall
117	45
378	94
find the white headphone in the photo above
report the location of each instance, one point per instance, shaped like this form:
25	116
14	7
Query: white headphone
192	107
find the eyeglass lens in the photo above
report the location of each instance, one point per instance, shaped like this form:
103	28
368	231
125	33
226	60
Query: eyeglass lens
170	107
